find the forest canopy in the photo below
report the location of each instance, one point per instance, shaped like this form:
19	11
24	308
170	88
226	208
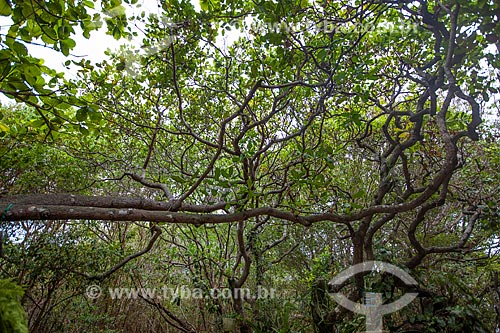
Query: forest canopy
249	144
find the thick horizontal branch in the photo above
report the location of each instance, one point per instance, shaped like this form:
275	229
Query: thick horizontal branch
65	199
75	207
60	212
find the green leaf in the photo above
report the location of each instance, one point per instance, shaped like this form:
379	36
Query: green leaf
88	3
3	128
117	33
93	114
5	68
84	130
5	9
177	178
217	173
20	49
66	45
81	114
204	5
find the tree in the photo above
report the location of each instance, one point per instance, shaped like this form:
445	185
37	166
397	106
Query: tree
51	24
363	115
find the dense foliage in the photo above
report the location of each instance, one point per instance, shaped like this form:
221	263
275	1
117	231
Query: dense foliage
326	134
12	315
